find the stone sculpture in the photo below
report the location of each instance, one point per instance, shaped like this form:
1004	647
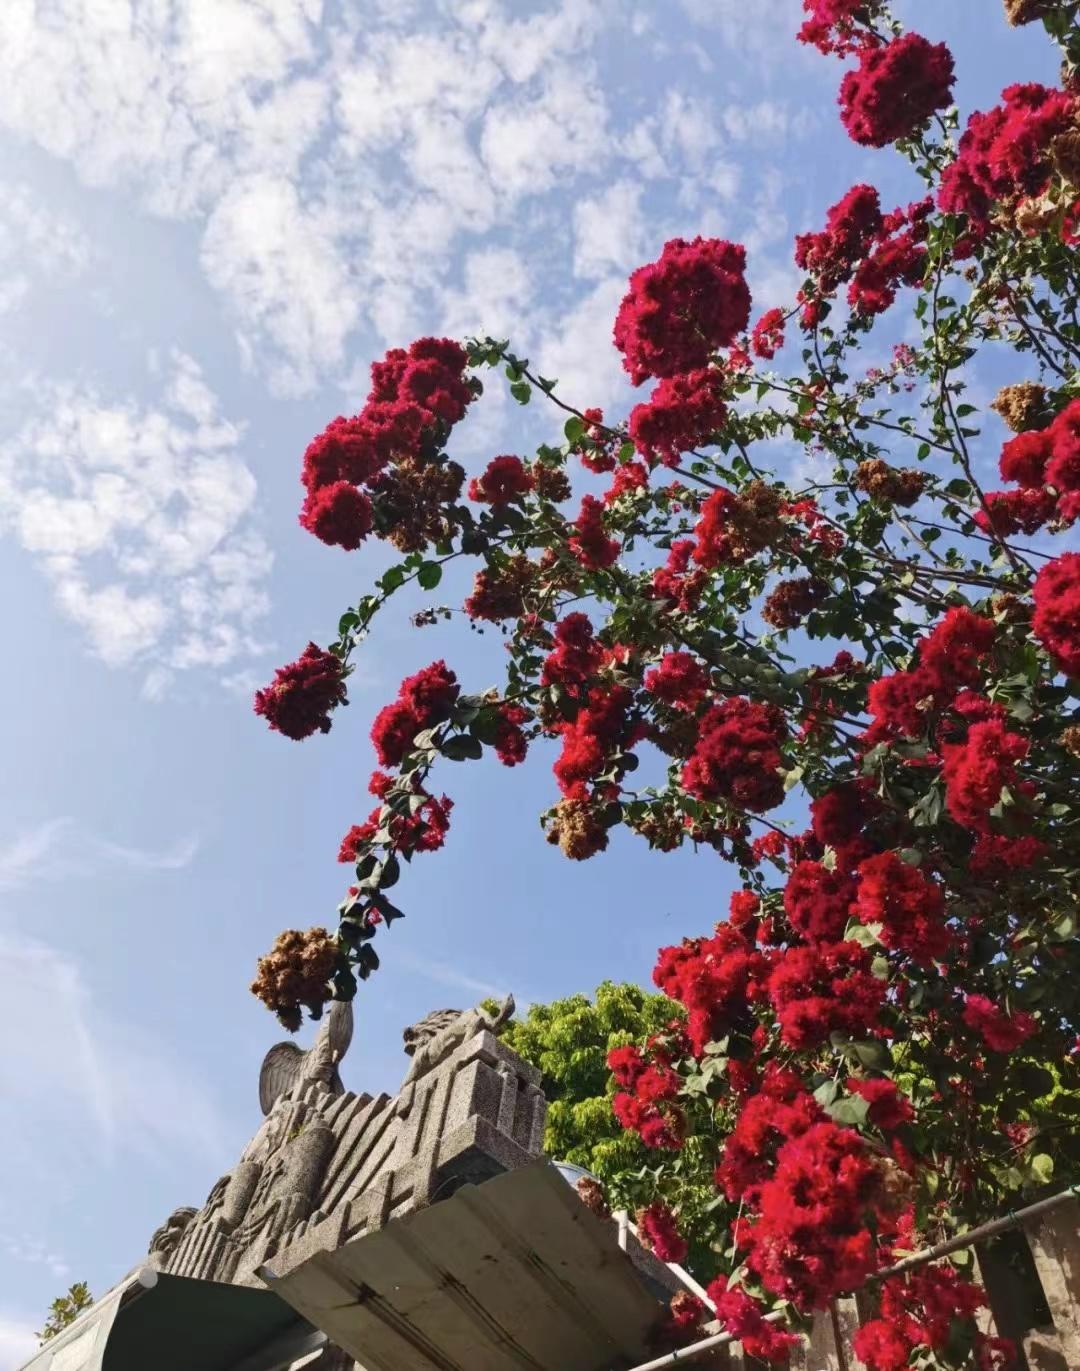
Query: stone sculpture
326	1165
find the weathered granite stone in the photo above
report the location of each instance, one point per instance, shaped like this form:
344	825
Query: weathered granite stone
326	1165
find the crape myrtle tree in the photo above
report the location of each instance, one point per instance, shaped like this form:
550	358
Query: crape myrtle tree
859	684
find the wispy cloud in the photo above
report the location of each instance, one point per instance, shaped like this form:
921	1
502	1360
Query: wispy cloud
443	973
32	1252
59	849
87	1077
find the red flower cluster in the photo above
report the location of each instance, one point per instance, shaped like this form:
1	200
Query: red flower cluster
1004	153
675	582
768	336
628	478
918	1309
713	979
416	395
909	907
976	770
1056	621
744	1319
949	659
889	1110
683	412
895	89
824	989
504	480
645	1104
781	1110
1045	463
299	699
424	830
510	744
851	227
576	656
875	252
1001	1032
423	700
599	729
809	1241
818	902
831	25
657	1229
679	309
680	680
737	755
590	543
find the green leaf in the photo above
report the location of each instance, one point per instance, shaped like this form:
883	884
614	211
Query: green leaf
462	748
851	1110
1042	1168
872	1054
347	621
522	392
574	428
429	575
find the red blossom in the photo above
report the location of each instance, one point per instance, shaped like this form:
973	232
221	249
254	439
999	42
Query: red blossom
680	680
977	770
679	309
504	480
682	413
301	696
1004	153
590	543
895	89
999	1030
657	1229
737	755
1056	621
888	1108
909	907
768	336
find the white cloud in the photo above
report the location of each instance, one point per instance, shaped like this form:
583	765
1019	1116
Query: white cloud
529	145
766	121
18	1342
37	245
609	231
280	265
142	520
88	1078
59	850
33	1252
578	349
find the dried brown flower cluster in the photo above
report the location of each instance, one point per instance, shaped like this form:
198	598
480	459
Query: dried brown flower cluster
1022	406
1065	155
411	500
499	592
893	485
1070	740
295	974
576	828
592	1196
1019	12
789	604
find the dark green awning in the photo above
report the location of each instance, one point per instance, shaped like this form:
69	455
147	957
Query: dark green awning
173	1323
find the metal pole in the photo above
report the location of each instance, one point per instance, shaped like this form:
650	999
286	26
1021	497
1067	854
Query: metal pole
942	1249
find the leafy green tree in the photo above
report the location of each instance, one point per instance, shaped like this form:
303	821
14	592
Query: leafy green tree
65	1309
569	1041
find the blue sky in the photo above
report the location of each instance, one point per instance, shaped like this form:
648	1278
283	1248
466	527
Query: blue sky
214	214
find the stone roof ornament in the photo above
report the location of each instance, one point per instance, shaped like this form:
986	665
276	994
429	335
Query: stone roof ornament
285	1066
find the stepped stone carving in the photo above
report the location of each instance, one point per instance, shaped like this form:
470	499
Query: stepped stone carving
327	1165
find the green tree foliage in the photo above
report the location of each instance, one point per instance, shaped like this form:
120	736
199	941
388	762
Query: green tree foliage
64	1310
